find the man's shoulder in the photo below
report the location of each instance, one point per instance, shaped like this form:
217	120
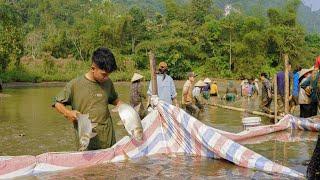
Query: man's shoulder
76	80
169	78
187	83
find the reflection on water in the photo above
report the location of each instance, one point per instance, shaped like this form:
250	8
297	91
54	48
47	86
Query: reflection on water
28	125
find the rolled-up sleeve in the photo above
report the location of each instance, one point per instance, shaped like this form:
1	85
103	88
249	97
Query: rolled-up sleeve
113	95
64	96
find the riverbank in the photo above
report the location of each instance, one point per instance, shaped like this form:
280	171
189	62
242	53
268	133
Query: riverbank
179	83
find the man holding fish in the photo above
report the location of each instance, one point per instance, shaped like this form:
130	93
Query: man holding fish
90	94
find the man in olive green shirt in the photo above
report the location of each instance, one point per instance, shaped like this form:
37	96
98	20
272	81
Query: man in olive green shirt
90	94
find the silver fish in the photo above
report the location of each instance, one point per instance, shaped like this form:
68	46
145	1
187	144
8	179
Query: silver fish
84	130
131	121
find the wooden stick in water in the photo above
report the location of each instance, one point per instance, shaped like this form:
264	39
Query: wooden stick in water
152	61
275	89
286	75
245	110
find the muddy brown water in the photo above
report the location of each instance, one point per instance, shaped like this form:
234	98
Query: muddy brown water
28	125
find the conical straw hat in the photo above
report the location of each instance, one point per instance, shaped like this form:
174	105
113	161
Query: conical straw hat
136	77
207	80
200	83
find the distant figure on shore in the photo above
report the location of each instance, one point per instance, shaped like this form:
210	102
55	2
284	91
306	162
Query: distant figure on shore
197	94
206	89
214	89
231	92
266	94
166	88
187	99
137	96
256	90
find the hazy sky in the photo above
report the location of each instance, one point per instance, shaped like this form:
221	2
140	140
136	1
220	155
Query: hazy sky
315	4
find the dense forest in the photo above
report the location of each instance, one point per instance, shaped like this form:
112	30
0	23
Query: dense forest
45	40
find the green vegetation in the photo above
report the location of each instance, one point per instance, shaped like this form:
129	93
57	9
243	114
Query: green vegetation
53	40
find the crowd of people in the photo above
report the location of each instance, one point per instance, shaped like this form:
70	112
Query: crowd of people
87	94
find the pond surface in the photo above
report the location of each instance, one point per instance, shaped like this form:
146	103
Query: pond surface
29	125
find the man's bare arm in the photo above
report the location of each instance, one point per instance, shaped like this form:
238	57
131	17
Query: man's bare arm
175	102
117	102
71	115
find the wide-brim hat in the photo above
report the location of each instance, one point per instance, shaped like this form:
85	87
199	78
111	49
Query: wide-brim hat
200	83
136	77
256	80
207	80
304	71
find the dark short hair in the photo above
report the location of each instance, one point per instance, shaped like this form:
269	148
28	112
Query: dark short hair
104	59
264	75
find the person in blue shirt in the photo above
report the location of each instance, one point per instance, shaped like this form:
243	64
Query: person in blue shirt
295	89
166	87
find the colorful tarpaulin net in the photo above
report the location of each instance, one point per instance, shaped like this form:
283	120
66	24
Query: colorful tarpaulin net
167	129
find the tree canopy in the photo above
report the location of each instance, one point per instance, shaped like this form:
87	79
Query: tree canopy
190	35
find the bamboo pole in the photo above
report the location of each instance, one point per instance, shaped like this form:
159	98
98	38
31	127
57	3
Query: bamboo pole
286	92
154	85
275	98
244	110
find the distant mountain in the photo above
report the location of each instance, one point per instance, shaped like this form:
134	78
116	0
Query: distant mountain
307	18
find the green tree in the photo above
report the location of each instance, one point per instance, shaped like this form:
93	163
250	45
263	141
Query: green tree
11	39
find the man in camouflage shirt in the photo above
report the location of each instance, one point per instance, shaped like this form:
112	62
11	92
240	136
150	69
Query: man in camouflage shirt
266	95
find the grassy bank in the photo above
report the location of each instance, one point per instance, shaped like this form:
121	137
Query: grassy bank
49	69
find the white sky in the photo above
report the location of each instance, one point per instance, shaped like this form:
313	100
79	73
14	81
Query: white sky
314	3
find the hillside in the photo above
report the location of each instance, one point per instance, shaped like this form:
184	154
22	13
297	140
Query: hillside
308	19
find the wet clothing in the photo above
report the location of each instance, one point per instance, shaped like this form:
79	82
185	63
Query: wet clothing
136	98
92	98
230	97
231	92
166	88
196	93
265	99
187	101
187	92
